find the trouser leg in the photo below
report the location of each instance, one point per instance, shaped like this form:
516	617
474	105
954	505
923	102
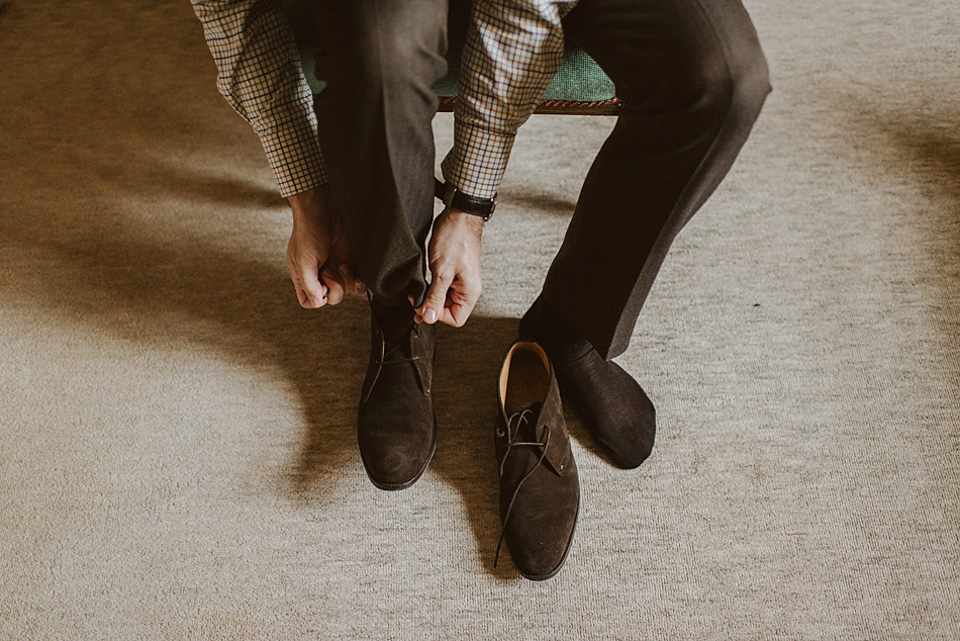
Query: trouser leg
693	80
379	59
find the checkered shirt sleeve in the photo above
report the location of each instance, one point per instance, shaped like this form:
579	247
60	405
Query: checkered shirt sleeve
258	72
513	50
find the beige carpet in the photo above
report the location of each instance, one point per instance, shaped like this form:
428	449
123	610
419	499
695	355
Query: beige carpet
179	458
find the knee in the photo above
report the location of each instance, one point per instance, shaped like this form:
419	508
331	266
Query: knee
388	57
749	82
399	54
730	83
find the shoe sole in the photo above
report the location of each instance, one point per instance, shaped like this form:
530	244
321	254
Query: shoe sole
390	487
554	571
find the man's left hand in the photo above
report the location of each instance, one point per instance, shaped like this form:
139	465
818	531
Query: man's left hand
454	255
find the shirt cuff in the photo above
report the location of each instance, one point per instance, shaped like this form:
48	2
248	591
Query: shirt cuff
294	155
477	161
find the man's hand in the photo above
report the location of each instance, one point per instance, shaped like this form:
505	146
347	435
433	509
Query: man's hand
454	255
318	255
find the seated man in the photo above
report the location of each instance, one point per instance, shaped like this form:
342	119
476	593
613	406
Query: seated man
692	79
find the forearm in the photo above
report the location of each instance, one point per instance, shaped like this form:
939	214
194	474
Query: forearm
513	50
258	72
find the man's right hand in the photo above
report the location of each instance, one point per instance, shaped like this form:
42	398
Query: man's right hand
454	254
318	254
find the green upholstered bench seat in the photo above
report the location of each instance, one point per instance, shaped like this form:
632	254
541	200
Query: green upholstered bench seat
579	87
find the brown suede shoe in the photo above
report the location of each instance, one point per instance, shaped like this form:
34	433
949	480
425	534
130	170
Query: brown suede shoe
539	484
396	427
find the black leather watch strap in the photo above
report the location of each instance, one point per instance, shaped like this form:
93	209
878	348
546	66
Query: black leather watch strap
456	199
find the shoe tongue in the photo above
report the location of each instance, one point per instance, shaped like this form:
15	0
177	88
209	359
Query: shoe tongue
395	323
397	334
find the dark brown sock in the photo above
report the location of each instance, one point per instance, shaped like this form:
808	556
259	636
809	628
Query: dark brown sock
615	409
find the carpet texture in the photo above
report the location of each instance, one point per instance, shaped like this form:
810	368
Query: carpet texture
179	458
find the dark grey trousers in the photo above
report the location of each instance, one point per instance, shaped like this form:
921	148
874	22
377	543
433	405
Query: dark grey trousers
692	78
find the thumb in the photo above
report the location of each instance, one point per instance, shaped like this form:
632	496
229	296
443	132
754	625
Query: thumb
433	304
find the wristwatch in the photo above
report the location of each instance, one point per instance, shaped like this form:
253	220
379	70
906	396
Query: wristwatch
456	199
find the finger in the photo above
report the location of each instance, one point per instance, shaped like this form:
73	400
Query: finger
456	315
335	290
347	278
301	295
435	301
304	273
351	282
461	301
311	294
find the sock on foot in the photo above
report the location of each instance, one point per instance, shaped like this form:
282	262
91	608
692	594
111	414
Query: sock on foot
615	409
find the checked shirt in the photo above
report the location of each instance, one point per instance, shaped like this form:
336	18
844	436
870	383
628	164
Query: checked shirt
512	51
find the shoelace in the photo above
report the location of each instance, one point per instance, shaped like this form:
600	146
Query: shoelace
389	352
393	348
522	419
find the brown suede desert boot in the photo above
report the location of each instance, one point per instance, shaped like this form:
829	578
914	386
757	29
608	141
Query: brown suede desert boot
539	484
396	427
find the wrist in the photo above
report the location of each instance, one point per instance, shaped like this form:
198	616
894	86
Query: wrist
310	203
453	198
453	218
